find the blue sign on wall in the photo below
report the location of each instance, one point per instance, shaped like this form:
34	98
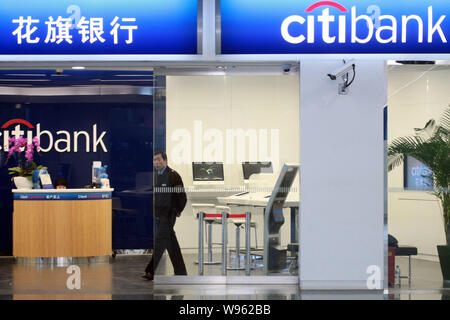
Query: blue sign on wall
341	26
98	27
417	176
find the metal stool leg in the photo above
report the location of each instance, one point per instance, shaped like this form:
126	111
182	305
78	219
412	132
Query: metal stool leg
247	243
409	274
256	238
238	250
209	239
238	246
200	243
224	243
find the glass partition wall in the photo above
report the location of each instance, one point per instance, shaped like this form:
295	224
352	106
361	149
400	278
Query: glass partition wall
416	217
234	140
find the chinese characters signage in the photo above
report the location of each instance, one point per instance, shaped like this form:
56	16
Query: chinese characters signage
98	27
59	30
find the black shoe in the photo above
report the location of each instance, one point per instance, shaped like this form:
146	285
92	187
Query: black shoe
148	276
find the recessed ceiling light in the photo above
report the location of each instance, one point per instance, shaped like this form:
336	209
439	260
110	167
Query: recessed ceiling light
128	80
26	80
25	75
134	75
78	68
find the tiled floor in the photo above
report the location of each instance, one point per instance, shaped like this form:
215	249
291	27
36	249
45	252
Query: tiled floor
121	279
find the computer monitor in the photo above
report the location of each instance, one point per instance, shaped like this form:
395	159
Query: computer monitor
250	168
207	172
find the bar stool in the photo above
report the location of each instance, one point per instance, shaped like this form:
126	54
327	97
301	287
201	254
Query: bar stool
208	217
207	209
239	218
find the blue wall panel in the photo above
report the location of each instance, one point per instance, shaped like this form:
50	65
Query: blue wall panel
126	147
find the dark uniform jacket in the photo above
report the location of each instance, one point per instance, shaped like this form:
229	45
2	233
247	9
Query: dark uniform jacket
169	192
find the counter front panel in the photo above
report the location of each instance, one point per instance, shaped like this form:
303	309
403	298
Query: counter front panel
78	224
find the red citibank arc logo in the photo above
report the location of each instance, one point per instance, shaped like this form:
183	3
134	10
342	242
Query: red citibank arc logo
64	141
17	121
326	3
382	28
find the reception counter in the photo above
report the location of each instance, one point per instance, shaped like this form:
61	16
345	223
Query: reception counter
62	223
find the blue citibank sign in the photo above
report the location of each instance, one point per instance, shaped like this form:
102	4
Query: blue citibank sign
333	27
98	27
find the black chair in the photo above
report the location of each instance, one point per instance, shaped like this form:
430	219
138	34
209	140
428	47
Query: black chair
406	251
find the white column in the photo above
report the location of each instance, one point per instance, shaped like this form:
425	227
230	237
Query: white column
208	30
341	182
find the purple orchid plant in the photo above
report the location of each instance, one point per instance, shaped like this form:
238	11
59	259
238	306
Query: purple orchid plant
18	146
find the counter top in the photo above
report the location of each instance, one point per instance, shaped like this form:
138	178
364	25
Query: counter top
98	190
62	194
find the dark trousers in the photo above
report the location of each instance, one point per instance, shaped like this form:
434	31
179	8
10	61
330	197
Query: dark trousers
166	239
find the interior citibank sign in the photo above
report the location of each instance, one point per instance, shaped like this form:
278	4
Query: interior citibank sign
343	26
63	141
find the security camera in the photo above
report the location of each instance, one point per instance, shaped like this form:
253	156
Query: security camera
342	70
286	67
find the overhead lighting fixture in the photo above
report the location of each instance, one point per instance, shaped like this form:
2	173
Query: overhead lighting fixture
416	62
125	80
78	68
25	75
25	80
134	75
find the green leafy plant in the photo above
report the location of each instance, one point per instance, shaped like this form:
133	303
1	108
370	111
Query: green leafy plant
431	146
26	172
18	148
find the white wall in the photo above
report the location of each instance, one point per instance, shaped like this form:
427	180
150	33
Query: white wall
341	212
416	94
202	105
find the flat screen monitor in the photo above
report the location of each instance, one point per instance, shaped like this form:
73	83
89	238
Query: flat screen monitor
417	176
250	168
208	171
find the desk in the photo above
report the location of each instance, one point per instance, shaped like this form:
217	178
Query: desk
258	200
62	223
261	200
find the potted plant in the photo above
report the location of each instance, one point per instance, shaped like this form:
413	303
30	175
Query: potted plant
431	146
23	151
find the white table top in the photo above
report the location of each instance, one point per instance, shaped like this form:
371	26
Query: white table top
258	200
97	190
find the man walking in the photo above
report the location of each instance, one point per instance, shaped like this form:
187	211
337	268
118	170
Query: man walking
169	201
